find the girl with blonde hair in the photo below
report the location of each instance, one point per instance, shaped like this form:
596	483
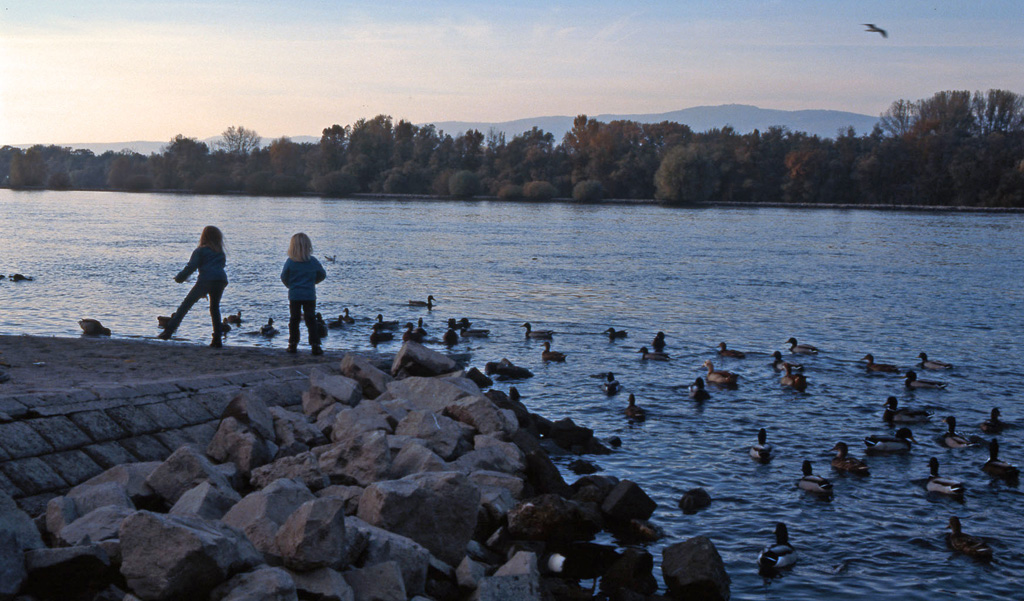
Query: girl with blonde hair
301	273
209	259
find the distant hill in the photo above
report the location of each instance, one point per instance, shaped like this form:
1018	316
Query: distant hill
741	117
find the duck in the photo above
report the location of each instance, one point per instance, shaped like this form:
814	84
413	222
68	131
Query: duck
236	319
973	546
951	439
92	327
164	320
779	364
21	278
896	443
450	338
649	355
633	411
330	258
911	381
927	363
419	328
377	336
893	414
474	332
658	344
801	349
225	327
611	386
993	425
321	326
411	334
345	317
614	334
463	323
725	352
845	463
385	325
268	330
429	303
725	378
334	324
537	334
811	483
879	367
549	355
996	467
794	381
938	484
780	555
697	391
762	451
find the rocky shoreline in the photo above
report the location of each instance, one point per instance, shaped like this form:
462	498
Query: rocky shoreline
371	479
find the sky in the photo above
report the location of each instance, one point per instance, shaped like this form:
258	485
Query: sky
76	71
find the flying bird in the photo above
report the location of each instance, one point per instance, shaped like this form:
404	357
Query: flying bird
872	28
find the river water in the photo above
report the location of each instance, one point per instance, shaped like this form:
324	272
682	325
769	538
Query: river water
850	282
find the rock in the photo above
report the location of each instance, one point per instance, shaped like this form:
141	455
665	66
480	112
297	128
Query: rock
633	571
94	496
436	509
241	445
429	394
495	503
486	478
362	459
179	557
414	359
479	378
568	435
412	558
253	412
326	388
693	569
68	572
593	489
511	451
313	536
371	380
550	518
490	458
694	500
18	524
12	564
582	466
482	414
60	511
349	494
365	417
506	370
503	401
262	584
304	467
627	501
100	524
183	470
470	573
260	514
380	582
518	579
206	501
325	419
441	434
324	584
542	474
294	432
415	458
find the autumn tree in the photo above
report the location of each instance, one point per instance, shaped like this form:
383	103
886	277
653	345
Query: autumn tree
239	141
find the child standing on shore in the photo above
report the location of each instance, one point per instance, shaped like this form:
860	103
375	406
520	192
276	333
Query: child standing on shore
301	273
209	259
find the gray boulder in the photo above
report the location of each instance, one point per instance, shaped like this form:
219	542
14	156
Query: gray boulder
372	381
253	412
436	509
294	432
19	524
179	557
183	470
349	494
100	524
304	467
324	584
486	478
412	559
415	458
470	573
361	459
414	359
484	416
428	394
262	584
94	496
130	476
326	389
490	458
628	501
206	501
380	582
365	417
67	572
314	537
550	518
240	444
12	564
260	514
441	434
693	569
518	578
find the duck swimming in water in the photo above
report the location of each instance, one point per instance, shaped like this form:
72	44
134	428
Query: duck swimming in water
429	303
611	386
658	344
92	327
801	349
897	443
878	367
779	364
727	352
951	439
996	467
794	381
845	463
893	414
993	425
779	555
911	381
385	325
537	334
723	378
411	334
321	325
961	542
235	319
812	483
633	411
377	336
941	485
652	355
268	330
450	338
549	355
697	391
614	334
762	451
927	363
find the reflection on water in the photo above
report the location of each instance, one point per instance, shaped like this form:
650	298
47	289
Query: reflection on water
850	282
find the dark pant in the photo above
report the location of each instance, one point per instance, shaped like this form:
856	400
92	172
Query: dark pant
303	309
214	290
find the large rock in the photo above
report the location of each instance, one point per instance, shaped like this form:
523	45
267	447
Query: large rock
544	476
415	458
412	558
484	416
18	524
429	394
566	434
550	518
489	459
414	359
361	459
486	478
178	557
260	514
373	381
100	524
183	470
68	572
130	476
693	569
206	501
324	584
365	417
12	564
241	445
314	537
441	434
349	494
632	571
253	412
380	582
436	509
304	466
94	496
326	389
262	584
295	433
518	578
628	501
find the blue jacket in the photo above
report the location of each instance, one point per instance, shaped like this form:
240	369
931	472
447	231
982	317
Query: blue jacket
302	278
210	264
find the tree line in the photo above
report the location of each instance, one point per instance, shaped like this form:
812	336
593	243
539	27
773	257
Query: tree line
952	149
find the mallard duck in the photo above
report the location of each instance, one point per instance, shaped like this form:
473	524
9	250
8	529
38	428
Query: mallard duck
951	438
897	443
385	325
411	334
235	319
927	363
450	338
652	355
549	355
429	303
321	326
225	327
725	352
463	323
377	336
697	391
537	334
818	485
911	381
845	463
997	468
794	381
779	364
611	386
973	546
334	324
779	555
614	334
724	378
938	484
345	317
879	367
474	332
903	416
92	327
801	349
268	330
762	451
993	425
658	344
420	331
633	411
